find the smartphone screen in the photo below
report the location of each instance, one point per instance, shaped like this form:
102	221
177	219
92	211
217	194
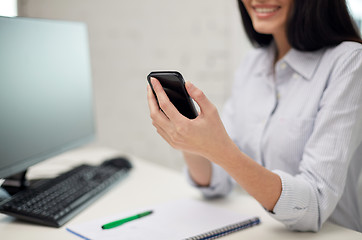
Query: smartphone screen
174	86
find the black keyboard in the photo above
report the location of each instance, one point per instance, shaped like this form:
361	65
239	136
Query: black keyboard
56	201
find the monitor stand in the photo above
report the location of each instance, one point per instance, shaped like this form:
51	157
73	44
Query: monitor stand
15	183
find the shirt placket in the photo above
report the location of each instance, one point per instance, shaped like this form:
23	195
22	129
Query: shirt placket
274	82
270	107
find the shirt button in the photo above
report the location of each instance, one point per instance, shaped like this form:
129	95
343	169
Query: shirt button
283	65
295	75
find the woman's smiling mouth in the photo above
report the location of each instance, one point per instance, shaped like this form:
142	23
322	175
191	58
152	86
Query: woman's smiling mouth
265	11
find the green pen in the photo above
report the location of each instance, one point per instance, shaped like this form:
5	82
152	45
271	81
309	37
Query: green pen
124	220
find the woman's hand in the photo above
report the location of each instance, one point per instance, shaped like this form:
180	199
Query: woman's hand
205	135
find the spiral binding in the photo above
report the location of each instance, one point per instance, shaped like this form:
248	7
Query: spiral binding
226	230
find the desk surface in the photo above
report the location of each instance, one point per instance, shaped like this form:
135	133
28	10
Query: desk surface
146	185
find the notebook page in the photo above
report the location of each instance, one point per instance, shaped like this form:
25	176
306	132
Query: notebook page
174	220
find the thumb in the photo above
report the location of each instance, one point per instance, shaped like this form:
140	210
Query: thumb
199	97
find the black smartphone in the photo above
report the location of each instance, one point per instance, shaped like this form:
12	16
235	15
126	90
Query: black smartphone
174	85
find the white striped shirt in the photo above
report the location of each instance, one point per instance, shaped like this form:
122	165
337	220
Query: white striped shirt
302	119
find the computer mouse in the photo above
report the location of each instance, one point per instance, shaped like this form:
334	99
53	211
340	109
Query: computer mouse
119	162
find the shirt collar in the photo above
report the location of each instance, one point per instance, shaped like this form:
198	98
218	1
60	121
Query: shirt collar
265	66
304	63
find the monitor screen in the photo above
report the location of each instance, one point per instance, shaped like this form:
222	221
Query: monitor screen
45	91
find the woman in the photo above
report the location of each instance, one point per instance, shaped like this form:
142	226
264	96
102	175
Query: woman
291	132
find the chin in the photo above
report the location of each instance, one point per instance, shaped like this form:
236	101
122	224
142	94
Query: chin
263	29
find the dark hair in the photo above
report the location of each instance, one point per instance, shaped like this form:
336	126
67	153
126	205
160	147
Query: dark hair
312	25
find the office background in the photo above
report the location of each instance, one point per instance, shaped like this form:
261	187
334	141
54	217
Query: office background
128	39
202	39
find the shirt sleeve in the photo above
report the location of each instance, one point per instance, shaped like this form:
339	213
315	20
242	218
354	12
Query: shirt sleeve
309	198
221	183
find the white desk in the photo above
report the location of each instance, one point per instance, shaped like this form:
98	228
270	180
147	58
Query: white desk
150	184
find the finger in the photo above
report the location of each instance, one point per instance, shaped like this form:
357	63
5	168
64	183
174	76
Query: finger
165	104
198	96
152	102
164	134
155	112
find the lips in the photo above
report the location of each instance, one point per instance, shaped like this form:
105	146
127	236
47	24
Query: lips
265	11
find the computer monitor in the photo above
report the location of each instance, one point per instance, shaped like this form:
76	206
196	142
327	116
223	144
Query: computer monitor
45	91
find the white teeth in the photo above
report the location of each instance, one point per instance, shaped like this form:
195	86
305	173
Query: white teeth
266	10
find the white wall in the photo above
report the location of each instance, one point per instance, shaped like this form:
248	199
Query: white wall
129	38
8	8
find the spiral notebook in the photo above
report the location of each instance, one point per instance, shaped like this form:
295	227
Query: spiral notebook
181	219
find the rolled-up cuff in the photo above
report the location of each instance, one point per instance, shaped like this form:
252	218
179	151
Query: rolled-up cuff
221	183
294	207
